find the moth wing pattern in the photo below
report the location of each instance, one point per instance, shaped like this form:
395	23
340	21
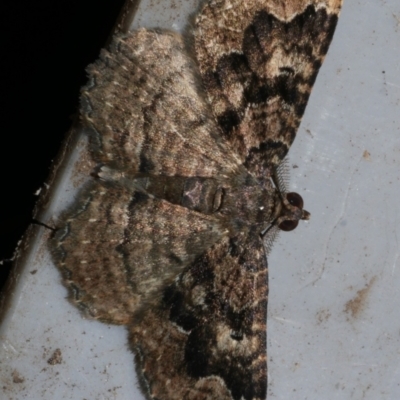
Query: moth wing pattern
167	128
167	240
259	61
211	326
127	243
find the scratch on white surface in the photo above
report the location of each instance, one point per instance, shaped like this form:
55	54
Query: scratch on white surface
8	347
379	80
369	365
338	219
391	236
396	256
324	114
393	84
395	263
287	321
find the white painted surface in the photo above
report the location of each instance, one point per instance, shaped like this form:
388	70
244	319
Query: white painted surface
348	158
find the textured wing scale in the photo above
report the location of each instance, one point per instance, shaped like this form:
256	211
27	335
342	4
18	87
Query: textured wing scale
118	248
259	60
211	326
167	128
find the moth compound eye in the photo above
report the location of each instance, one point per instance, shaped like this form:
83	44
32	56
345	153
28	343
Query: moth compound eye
295	200
288	225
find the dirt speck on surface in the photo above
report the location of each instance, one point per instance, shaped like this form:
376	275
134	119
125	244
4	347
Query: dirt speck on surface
56	357
16	377
355	306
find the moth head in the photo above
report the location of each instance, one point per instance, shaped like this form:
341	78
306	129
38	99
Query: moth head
291	212
288	212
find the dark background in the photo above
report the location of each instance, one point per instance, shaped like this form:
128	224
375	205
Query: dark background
45	48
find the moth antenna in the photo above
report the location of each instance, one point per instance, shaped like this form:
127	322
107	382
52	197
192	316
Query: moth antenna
269	239
282	175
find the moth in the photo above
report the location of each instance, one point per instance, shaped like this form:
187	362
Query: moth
170	237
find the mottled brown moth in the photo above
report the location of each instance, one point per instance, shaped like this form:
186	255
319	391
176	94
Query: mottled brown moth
189	137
